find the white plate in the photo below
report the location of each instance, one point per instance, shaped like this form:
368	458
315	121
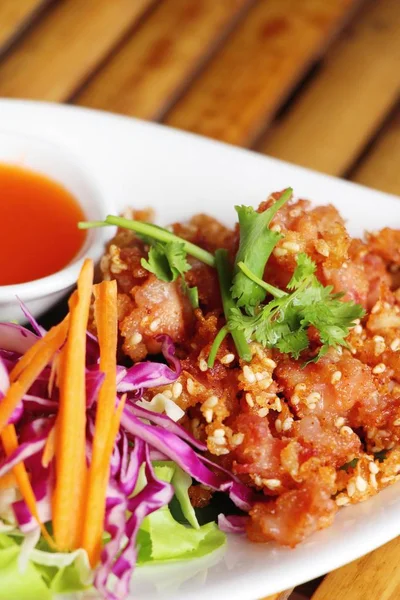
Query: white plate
140	164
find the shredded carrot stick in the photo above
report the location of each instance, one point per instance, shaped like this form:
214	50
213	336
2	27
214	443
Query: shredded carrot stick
38	347
10	444
70	460
7	481
17	390
50	448
94	520
106	318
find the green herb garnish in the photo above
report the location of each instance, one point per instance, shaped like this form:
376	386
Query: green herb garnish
154	232
225	280
349	465
167	261
256	244
283	322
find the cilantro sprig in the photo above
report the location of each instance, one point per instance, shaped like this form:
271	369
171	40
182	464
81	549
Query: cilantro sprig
257	241
281	323
284	321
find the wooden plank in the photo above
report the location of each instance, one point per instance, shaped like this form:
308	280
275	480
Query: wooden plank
372	577
65	46
258	66
330	123
15	15
380	168
157	62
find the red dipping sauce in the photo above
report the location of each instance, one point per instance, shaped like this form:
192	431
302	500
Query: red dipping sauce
38	226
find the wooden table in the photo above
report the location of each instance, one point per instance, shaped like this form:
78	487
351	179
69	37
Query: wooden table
315	82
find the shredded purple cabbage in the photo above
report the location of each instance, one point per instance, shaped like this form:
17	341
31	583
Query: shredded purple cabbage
144	436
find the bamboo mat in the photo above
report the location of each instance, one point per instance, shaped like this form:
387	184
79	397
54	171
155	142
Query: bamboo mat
314	82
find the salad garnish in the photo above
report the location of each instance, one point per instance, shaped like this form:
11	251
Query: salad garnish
89	473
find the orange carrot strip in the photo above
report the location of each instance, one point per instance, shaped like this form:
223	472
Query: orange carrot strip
94	520
10	444
70	460
17	390
8	481
38	347
50	448
106	317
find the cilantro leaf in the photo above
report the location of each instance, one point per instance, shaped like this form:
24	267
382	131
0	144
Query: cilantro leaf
256	244
166	260
283	322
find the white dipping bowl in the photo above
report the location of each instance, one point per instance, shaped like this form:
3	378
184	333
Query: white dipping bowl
55	162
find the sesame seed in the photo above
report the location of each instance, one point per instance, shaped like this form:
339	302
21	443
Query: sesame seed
208	415
351	488
277	404
227	359
312	399
190	386
396	422
219	432
337	376
378	338
387	479
287	424
136	338
373	482
376	308
311	405
292	246
258	480
177	389
168	393
381	368
345	265
361	483
280	252
342	501
295	399
339	351
272	484
339	422
248	374
278	425
154	325
237	439
263	412
219	441
373	468
387	305
203	365
300	387
346	429
249	400
270	363
211	402
276	227
395	345
358	329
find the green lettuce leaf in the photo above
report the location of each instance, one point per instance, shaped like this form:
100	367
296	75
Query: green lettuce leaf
46	572
162	538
